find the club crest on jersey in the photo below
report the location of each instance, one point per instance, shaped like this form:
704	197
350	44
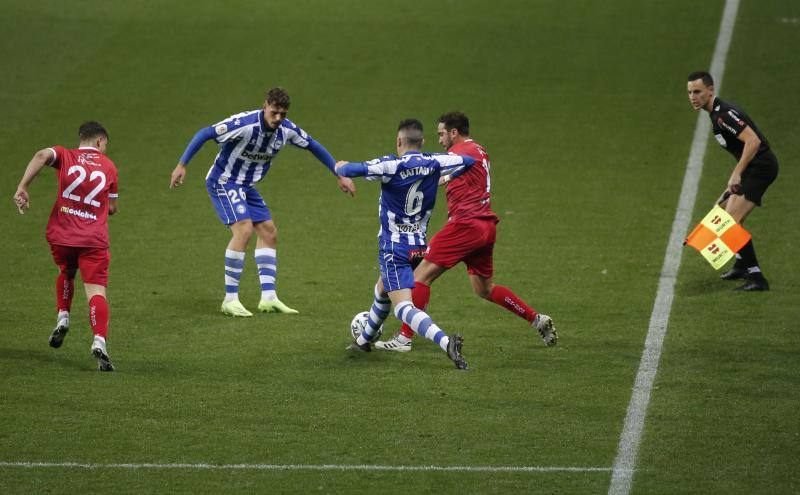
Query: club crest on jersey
221	129
240	209
86	159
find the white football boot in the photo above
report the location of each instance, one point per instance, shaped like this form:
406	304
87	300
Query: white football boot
547	330
99	352
398	343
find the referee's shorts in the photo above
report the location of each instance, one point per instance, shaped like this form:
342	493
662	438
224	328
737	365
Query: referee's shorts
757	177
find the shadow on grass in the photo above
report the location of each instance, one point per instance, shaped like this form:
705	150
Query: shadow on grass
47	357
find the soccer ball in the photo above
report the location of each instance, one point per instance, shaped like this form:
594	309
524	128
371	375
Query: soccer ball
359	323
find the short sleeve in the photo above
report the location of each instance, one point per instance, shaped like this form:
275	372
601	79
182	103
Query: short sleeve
732	122
58	155
113	191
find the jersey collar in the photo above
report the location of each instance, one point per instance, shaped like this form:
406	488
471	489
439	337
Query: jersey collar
89	148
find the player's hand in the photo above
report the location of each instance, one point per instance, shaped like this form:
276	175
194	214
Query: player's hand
735	183
444	180
346	184
22	201
177	176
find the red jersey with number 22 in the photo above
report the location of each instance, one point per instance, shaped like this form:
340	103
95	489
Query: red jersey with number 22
468	194
87	179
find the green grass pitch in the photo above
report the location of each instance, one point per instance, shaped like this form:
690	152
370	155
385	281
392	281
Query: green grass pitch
582	107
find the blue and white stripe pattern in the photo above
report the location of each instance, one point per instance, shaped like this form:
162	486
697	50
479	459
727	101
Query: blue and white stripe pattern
408	192
267	262
421	323
248	145
377	314
234	264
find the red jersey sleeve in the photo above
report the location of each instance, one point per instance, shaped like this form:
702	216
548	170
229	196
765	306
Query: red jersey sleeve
58	156
112	189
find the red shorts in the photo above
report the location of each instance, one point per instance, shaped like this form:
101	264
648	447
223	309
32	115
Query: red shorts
92	262
470	240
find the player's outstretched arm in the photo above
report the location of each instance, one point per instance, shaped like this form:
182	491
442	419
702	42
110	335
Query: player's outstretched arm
37	163
453	165
347	169
345	184
197	142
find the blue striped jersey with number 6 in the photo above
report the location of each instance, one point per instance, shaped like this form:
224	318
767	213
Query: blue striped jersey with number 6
408	192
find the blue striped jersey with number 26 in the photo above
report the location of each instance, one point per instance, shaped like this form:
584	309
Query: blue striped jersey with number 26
247	147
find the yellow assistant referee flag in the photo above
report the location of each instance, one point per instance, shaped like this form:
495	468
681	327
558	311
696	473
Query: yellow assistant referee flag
718	237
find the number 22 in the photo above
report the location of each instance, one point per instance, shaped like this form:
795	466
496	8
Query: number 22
89	199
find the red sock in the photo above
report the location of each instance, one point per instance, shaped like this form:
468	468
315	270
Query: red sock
420	295
98	315
65	287
504	297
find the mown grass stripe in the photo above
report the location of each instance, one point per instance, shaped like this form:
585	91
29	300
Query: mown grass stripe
302	467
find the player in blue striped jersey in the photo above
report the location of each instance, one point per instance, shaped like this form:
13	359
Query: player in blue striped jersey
248	142
408	194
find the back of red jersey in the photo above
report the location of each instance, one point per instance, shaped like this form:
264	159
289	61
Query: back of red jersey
468	194
87	180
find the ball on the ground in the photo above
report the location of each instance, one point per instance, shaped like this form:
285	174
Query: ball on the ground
359	323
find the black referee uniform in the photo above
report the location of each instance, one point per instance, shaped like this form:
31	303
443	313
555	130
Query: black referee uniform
728	122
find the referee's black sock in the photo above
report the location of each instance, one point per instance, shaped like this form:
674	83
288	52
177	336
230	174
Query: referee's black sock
749	261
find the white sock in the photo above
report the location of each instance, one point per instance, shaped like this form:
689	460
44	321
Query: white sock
63	316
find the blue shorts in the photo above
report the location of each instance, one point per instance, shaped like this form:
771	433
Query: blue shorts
397	262
235	203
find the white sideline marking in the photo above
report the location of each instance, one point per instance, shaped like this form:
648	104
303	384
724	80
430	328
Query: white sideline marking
309	467
625	463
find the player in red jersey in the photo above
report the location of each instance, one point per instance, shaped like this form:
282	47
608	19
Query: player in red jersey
468	236
78	228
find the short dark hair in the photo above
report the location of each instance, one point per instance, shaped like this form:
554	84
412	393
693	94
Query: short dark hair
705	76
456	120
91	129
278	97
411	132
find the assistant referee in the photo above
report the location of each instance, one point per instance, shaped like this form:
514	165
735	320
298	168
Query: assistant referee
756	168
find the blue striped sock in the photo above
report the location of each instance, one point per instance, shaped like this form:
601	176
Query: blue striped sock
421	323
234	263
267	262
377	315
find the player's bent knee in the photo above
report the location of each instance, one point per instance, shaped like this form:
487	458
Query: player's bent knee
483	293
242	230
94	290
483	290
